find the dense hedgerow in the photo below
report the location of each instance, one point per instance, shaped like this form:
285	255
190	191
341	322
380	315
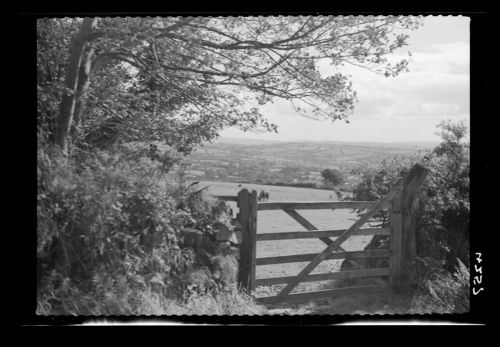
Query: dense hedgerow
443	221
107	230
442	230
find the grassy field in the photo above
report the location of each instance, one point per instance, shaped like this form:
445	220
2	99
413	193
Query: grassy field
278	221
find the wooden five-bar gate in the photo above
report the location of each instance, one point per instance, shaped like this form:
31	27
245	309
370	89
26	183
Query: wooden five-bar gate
401	204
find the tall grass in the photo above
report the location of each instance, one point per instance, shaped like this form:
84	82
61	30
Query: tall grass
438	291
125	300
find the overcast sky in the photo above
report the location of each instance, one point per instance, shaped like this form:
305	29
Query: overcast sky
405	108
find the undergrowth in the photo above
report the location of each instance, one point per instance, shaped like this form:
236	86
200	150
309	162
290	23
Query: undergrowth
437	290
123	299
110	236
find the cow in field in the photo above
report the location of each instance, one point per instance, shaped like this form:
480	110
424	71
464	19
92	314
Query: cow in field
264	195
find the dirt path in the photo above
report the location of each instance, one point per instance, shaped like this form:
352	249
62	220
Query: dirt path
376	303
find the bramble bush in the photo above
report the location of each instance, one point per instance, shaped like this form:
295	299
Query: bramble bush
105	226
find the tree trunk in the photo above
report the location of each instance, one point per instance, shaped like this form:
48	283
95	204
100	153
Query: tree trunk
82	88
68	102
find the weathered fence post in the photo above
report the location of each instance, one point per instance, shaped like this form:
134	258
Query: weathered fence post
404	206
396	235
412	184
247	216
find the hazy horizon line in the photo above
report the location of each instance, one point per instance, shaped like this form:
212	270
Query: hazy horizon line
306	140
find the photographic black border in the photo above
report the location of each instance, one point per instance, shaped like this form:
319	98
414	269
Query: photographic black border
25	197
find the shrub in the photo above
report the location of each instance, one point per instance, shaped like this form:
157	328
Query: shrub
105	219
332	177
442	225
443	217
104	215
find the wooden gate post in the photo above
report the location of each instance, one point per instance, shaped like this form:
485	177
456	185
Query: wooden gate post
247	216
396	236
404	206
412	184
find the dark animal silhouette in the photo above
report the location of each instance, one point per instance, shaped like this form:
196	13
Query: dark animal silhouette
264	195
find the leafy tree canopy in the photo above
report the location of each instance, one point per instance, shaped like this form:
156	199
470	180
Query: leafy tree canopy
183	79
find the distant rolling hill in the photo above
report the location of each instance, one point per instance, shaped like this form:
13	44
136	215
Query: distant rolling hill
231	140
240	159
402	144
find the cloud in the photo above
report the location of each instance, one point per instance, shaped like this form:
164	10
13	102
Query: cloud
439	108
438	84
407	107
452	58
